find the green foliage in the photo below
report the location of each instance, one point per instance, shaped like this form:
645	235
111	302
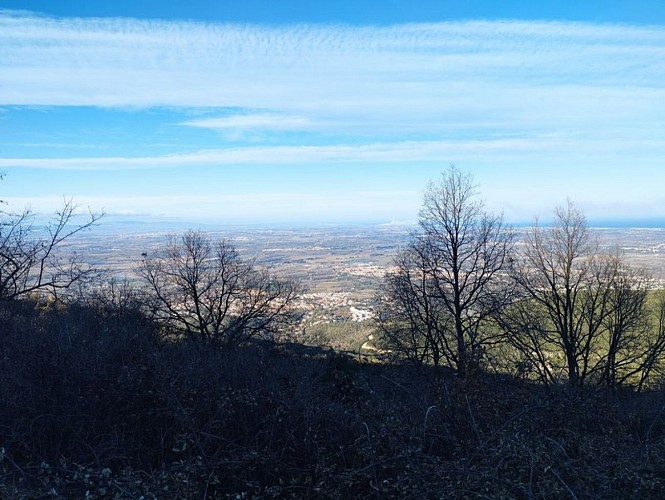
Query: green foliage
340	335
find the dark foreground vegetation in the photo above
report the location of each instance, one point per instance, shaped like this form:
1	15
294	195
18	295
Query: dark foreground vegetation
530	372
95	405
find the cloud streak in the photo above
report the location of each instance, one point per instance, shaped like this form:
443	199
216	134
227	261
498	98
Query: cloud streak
416	77
262	121
554	98
544	151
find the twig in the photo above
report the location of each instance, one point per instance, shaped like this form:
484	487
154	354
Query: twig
433	407
647	437
122	490
571	492
473	420
205	492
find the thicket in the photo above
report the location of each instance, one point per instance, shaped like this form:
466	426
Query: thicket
95	404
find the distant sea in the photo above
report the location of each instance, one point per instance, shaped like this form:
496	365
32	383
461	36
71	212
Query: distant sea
638	223
114	223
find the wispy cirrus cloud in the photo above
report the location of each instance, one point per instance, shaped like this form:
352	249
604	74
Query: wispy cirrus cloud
505	152
257	121
542	100
418	77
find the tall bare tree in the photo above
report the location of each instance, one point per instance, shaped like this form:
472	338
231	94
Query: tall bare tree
652	364
584	314
204	290
451	279
627	326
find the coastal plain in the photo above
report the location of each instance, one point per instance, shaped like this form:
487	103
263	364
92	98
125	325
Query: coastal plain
340	267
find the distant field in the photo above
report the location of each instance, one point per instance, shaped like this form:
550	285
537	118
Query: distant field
341	267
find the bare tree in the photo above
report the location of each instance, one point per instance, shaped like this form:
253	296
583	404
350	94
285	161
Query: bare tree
584	313
451	280
413	320
652	364
204	290
31	258
627	325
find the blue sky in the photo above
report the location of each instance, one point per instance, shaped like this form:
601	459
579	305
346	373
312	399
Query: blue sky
308	111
